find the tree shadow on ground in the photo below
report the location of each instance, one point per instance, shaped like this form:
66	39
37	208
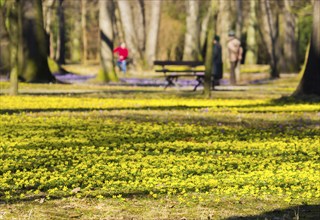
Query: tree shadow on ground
304	212
37	110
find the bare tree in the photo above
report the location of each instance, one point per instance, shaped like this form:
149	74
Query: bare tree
107	72
309	84
192	38
153	24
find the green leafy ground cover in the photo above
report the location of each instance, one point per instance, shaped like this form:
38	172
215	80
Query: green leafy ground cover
98	152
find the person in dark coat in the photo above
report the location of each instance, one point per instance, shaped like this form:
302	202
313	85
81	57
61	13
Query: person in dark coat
217	66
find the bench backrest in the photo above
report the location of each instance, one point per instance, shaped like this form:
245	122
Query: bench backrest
179	63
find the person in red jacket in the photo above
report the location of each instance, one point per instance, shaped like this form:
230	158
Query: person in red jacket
122	52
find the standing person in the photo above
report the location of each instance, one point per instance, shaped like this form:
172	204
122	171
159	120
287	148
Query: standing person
235	55
122	52
217	66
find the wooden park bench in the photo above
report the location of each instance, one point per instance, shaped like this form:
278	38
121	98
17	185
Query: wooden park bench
173	70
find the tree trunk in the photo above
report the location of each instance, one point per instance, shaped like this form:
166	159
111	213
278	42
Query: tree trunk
251	55
290	41
14	21
47	14
208	78
4	42
153	24
204	29
271	26
107	72
138	13
309	84
192	42
84	31
239	21
34	58
60	54
119	30
129	32
223	27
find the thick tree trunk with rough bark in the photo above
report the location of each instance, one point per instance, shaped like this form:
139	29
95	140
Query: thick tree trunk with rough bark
192	36
152	27
309	84
251	55
107	72
60	54
32	64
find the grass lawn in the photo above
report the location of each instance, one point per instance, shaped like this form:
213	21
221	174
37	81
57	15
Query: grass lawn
126	152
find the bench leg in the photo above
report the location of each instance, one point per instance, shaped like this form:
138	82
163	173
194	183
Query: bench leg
200	82
170	82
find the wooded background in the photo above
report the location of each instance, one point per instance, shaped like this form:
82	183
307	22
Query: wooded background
38	34
270	31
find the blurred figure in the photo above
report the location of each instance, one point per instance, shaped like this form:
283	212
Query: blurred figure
235	55
122	52
217	66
